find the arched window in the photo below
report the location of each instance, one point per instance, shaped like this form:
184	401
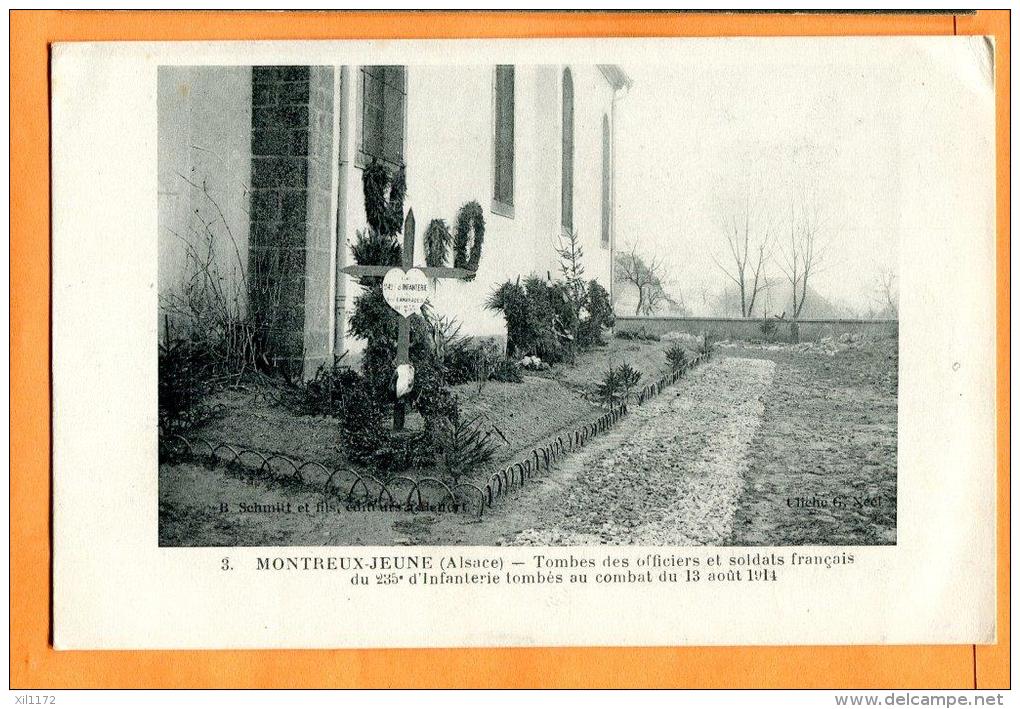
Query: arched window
607	187
503	153
567	181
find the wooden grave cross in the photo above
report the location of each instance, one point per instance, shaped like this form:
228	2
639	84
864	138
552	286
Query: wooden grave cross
398	275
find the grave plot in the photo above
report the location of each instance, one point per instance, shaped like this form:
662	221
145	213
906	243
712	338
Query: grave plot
301	451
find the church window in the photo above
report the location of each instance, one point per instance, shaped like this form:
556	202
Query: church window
607	185
383	105
503	153
567	154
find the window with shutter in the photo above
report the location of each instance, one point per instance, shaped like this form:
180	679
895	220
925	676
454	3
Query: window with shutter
567	154
503	152
383	92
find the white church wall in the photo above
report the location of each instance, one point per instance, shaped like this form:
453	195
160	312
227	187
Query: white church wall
593	98
449	156
545	185
449	163
456	145
204	151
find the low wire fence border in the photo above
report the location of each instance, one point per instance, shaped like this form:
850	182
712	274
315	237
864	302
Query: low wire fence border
366	489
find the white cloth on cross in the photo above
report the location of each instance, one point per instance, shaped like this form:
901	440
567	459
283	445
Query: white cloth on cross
405	379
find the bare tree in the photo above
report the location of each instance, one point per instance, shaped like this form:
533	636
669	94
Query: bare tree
703	293
646	277
887	291
750	243
657	296
802	254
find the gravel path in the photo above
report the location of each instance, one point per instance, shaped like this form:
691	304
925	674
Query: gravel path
670	474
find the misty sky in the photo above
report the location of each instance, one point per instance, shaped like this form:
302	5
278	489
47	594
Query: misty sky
779	128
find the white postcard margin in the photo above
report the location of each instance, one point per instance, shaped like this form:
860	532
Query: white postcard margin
114	587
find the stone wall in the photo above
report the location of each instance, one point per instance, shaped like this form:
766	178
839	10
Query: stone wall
291	234
750	329
320	236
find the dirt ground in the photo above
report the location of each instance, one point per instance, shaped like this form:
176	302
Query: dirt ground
255	416
823	468
772	444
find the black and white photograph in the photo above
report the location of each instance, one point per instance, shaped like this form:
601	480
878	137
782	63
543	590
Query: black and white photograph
694	336
525	304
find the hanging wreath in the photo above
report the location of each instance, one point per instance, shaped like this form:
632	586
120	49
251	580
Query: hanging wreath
470	225
437	242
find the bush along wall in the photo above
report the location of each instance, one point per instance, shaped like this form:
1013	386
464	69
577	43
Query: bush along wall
553	319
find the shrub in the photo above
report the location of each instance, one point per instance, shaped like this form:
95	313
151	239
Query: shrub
596	315
437	404
609	388
454	446
461	365
507	370
323	394
511	300
539	318
348	397
628	378
376	322
431	398
554	319
571	254
575	289
616	384
446	348
185	383
486	355
462	447
342	393
368	440
676	358
479	363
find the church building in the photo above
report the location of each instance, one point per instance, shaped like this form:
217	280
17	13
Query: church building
260	176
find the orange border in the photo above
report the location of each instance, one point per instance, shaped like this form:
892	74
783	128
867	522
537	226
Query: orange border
34	664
